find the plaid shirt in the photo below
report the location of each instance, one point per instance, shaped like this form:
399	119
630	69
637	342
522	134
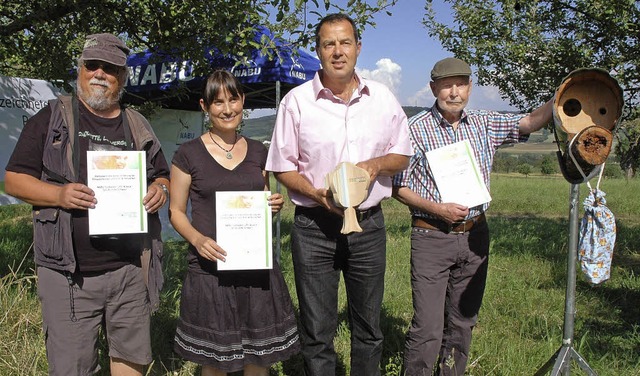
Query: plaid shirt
485	130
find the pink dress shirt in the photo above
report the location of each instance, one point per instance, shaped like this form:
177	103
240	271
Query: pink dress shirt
316	130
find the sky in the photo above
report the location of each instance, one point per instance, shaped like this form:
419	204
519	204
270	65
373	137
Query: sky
399	53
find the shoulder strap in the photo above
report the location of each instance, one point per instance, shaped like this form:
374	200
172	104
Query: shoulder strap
52	176
56	106
128	137
76	130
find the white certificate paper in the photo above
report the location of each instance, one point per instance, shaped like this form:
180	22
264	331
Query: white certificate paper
243	229
457	174
119	180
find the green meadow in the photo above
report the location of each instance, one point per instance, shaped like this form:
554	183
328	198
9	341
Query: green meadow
521	322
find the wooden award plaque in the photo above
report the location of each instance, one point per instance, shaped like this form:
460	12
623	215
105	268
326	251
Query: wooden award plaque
350	186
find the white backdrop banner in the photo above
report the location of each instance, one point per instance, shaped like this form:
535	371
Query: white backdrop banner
20	98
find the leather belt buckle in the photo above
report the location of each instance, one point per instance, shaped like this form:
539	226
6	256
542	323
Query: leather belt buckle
365	214
460	227
454	228
429	224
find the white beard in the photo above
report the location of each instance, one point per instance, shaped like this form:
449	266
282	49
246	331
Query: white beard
97	97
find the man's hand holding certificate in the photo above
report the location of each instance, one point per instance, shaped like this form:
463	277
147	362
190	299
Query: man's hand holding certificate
119	180
457	175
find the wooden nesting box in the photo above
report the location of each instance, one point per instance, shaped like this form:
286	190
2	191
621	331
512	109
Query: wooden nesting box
587	107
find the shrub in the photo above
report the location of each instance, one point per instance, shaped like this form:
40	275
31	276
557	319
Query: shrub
524	169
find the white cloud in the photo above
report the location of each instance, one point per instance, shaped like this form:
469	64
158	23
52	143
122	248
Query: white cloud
387	72
488	98
482	98
422	98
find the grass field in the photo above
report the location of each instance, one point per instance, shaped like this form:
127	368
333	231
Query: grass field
521	322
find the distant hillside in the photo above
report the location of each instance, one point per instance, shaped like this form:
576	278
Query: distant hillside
261	128
540	142
412	110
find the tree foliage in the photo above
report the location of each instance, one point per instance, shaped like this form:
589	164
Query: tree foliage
525	169
42	39
628	147
548	165
526	48
504	163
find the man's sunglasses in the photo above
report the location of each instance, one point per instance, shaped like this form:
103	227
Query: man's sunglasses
93	65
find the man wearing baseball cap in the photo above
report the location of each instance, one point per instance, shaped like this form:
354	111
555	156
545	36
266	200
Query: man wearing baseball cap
85	282
450	240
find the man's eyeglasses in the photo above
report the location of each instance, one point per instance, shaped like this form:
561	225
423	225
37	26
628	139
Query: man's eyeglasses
93	65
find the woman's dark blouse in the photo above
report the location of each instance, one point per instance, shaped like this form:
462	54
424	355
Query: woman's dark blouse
208	176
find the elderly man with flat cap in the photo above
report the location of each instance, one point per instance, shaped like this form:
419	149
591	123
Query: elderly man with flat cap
88	282
450	241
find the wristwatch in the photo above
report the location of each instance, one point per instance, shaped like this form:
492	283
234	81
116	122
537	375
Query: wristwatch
164	189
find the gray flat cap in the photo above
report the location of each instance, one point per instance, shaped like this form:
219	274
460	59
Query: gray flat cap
450	67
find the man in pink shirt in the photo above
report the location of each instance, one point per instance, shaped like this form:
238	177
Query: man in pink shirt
338	117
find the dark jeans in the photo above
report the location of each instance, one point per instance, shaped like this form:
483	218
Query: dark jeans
448	277
320	252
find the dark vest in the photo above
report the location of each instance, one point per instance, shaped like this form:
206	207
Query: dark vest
52	226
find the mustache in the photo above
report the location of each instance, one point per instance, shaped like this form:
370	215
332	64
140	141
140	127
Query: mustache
98	81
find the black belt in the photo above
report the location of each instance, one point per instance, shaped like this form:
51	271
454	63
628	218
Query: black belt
456	227
364	214
319	210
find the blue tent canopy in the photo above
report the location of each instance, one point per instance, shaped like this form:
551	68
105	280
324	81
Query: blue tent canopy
161	78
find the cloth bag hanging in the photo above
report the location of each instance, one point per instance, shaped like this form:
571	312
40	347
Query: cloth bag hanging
597	238
597	233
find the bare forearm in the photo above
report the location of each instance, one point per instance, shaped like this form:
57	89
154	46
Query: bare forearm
38	193
180	186
387	165
537	119
415	201
183	226
31	190
295	182
299	184
156	196
449	212
204	245
163	181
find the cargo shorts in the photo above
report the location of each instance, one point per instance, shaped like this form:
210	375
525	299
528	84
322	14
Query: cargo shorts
76	307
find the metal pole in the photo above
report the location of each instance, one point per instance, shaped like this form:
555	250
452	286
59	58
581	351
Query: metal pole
561	360
570	294
278	188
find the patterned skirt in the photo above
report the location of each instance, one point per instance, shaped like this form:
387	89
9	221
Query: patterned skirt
233	318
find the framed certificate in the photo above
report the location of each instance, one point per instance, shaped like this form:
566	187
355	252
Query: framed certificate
243	220
119	180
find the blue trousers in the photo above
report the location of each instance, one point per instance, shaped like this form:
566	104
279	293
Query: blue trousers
320	253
